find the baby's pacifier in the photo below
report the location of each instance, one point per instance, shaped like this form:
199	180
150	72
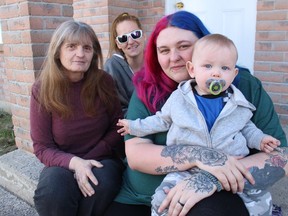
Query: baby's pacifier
215	86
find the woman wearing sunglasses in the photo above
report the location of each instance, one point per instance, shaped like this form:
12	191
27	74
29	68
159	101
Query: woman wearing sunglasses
126	54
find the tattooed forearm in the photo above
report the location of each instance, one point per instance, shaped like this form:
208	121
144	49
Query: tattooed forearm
188	153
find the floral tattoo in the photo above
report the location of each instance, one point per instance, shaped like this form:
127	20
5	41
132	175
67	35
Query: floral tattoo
181	154
199	183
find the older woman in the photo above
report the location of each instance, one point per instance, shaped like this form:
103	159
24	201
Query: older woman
74	110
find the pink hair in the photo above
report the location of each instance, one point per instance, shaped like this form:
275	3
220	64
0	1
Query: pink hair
152	85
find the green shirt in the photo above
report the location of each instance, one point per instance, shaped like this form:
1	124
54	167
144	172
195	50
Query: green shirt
265	117
138	187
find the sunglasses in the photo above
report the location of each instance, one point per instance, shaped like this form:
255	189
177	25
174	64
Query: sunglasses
134	35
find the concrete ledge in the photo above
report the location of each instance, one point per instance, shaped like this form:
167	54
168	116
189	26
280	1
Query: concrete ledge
19	174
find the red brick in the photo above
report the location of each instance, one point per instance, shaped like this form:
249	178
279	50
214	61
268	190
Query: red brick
53	23
281	4
37	23
280	108
20	111
23	9
276	97
16	24
265	5
280	46
268	56
284	120
22	133
24	76
67	10
281	67
8	11
272	15
284	98
21	50
23	101
263	46
265	25
60	1
275	87
44	9
88	4
39	49
40	36
24	144
270	36
14	63
267	76
281	25
11	37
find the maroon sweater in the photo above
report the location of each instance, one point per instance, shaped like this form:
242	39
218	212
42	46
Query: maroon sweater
56	141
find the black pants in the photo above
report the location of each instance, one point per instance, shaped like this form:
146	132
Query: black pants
219	204
58	194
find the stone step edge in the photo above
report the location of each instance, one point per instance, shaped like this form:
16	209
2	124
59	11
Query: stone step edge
19	174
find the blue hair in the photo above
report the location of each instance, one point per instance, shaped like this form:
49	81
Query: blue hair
188	21
153	86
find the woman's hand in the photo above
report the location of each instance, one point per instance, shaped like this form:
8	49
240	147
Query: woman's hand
83	173
187	193
230	172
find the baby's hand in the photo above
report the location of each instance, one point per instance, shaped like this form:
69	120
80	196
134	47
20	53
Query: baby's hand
268	144
124	124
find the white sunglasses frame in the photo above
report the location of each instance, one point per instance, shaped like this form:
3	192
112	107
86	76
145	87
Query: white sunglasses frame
129	35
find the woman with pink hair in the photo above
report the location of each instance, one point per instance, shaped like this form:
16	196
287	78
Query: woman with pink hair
169	47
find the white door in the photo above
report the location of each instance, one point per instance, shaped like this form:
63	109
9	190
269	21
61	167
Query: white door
233	18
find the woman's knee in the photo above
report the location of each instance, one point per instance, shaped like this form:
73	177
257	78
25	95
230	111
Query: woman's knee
56	184
109	176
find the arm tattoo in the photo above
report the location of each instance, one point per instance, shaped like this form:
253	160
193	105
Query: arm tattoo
189	153
167	169
181	154
280	159
272	172
199	182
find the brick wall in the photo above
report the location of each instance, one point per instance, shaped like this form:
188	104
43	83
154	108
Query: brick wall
100	14
271	53
4	104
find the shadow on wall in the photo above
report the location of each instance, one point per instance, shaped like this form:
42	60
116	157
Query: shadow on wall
5	106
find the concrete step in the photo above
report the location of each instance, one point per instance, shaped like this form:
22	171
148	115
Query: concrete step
19	174
20	170
12	205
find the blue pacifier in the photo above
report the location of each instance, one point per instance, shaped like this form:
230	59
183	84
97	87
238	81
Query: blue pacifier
215	86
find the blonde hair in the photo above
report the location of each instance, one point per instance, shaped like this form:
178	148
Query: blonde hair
55	85
113	33
218	40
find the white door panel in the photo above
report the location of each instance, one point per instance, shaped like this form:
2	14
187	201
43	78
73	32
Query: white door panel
235	19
